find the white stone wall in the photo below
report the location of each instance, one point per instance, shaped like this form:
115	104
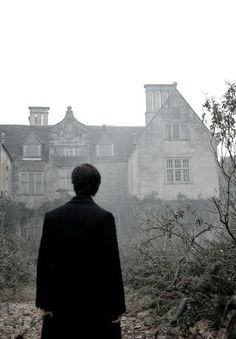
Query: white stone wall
153	149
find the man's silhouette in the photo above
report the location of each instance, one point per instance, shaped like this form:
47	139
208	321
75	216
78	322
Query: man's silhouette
79	281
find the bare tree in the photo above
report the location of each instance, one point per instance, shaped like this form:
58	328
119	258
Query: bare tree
223	130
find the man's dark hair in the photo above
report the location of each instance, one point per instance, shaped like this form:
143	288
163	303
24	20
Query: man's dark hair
86	179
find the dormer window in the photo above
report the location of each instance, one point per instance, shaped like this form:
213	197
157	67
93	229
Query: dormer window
105	146
32	151
104	150
32	148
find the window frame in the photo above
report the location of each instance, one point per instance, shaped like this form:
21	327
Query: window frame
176	132
179	169
31	155
98	151
65	183
32	184
72	151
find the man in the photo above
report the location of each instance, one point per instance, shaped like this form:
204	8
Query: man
79	280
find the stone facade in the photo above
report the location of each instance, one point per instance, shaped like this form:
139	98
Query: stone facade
5	169
173	157
170	156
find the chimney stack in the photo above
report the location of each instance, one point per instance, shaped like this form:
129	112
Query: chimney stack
156	95
38	116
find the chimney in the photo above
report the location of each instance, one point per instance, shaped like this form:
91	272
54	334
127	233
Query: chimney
38	116
156	95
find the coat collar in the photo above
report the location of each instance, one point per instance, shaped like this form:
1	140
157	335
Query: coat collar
82	199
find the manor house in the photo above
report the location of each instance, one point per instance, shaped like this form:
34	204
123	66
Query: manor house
170	157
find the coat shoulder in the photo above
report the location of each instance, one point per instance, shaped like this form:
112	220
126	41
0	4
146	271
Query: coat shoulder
102	210
92	208
51	214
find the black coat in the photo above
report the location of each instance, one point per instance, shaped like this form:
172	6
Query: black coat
78	273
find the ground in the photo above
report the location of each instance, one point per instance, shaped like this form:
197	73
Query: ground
19	318
24	318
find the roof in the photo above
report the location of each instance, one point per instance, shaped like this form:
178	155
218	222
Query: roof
121	136
15	136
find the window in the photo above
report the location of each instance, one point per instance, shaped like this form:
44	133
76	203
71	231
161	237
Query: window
178	171
105	150
32	183
32	151
68	151
176	132
65	179
168	132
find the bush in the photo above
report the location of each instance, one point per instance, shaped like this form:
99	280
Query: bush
160	281
16	266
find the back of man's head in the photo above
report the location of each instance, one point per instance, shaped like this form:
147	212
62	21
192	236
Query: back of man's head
86	179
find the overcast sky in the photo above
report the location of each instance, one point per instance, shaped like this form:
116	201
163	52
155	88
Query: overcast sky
96	55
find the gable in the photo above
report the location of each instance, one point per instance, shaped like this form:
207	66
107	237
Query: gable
177	109
32	139
174	114
69	130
